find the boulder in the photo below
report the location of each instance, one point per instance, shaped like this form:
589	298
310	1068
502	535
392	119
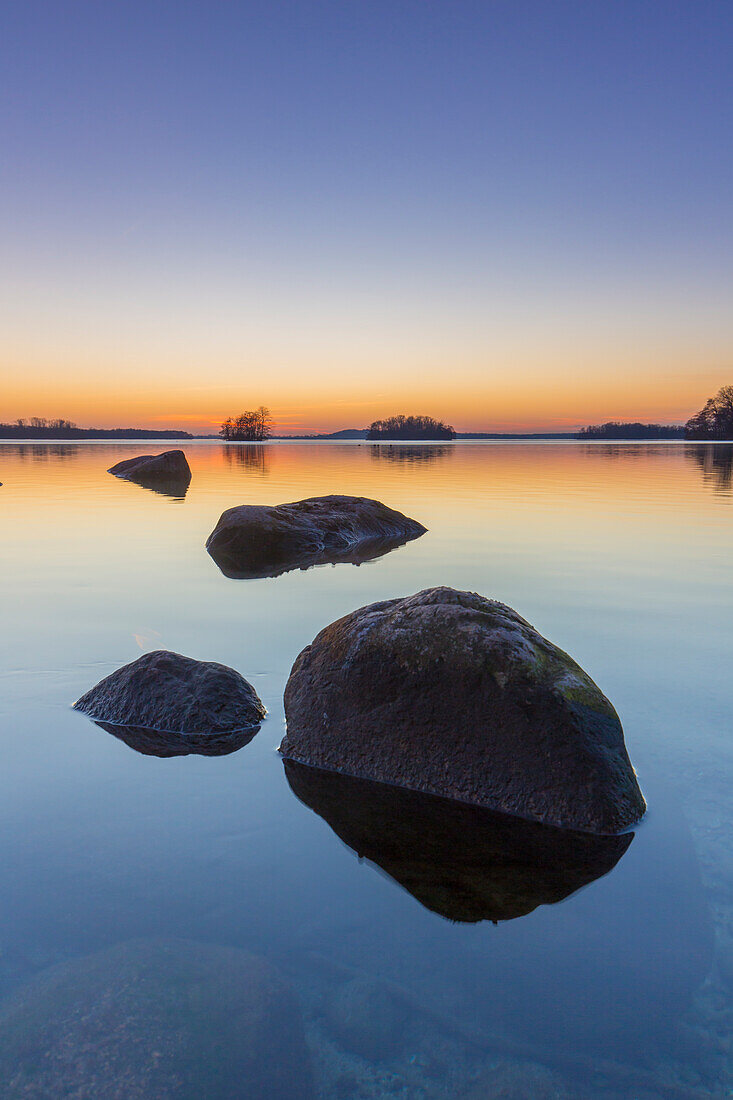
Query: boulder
167	472
166	692
155	1018
465	863
259	541
454	694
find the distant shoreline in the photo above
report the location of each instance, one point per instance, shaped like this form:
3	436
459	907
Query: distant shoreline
540	440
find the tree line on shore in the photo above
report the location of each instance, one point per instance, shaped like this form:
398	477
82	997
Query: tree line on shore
715	419
41	427
713	422
616	429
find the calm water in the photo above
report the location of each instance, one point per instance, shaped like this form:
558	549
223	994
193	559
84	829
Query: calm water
620	554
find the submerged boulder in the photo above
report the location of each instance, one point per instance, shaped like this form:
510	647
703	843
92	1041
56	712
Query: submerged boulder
168	472
454	694
155	1018
465	863
166	692
259	541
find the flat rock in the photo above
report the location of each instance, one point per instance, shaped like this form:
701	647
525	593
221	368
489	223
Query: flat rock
166	692
454	694
260	541
155	1018
465	863
166	472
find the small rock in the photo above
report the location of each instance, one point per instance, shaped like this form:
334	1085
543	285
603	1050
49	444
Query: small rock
167	692
168	471
255	541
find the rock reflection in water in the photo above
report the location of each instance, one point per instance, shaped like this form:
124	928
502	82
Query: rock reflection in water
255	566
152	742
464	862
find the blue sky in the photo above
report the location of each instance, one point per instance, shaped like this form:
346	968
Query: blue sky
502	213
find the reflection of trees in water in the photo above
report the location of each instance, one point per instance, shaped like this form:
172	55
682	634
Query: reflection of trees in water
716	464
41	452
251	456
424	452
621	450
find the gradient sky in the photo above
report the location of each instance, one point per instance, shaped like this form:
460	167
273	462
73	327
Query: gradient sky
507	214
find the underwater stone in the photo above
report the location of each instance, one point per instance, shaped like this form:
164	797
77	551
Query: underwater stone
167	470
155	1018
165	691
259	541
451	693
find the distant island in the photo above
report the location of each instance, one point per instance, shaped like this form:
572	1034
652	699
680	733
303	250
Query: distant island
38	427
409	427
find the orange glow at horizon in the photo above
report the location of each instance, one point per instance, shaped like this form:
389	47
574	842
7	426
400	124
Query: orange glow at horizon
511	405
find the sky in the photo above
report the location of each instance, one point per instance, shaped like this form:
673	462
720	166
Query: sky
509	215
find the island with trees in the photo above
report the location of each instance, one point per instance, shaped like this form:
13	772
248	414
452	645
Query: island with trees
409	427
715	419
253	426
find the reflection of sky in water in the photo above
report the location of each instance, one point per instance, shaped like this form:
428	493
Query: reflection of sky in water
619	554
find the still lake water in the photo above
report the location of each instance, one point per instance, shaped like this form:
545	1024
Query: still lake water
620	554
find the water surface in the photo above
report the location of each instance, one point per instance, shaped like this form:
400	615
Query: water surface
620	554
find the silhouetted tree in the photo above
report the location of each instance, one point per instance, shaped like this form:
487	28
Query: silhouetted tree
410	427
715	419
249	427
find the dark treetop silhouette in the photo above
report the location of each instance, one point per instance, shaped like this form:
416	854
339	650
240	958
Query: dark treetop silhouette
715	420
615	429
249	427
410	427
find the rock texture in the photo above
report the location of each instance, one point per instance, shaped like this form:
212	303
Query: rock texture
167	692
258	541
454	694
465	863
166	472
155	1018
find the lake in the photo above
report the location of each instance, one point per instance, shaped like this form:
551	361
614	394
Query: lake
618	553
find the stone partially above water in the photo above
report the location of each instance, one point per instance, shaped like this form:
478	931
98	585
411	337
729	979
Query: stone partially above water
260	541
167	692
454	694
168	471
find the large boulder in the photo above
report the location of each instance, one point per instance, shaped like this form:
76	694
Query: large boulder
155	1018
454	694
259	541
465	863
166	472
166	692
